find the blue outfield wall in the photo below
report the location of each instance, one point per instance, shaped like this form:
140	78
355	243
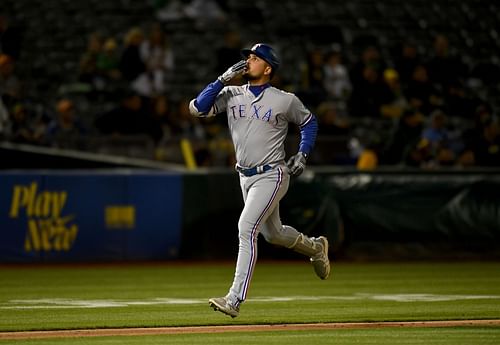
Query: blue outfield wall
48	216
120	215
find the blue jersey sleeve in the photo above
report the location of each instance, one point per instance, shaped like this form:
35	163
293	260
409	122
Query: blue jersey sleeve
206	99
308	133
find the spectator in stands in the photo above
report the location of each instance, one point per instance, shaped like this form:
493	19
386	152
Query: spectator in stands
128	118
330	123
131	63
487	148
420	156
312	84
393	101
421	93
24	128
10	85
368	160
107	62
337	82
364	153
158	57
471	134
482	140
436	132
370	59
366	75
88	72
366	98
405	136
438	138
407	61
159	114
66	130
445	68
184	124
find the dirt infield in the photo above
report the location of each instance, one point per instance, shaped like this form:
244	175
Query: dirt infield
239	328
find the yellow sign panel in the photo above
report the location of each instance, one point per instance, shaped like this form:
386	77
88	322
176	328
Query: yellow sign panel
119	216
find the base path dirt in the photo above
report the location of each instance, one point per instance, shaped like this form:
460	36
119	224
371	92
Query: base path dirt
238	328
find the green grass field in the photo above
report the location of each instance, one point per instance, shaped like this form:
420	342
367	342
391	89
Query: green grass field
109	296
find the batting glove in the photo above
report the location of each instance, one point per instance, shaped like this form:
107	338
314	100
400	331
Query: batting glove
296	164
232	72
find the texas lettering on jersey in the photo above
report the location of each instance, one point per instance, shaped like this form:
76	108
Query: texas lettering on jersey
254	111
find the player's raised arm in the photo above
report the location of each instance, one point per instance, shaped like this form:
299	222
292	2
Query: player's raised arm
204	104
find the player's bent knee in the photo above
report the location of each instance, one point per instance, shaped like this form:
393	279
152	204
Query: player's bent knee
273	238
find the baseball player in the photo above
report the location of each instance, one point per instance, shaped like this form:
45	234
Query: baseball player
258	116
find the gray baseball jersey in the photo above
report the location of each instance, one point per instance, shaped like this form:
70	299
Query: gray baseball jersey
259	125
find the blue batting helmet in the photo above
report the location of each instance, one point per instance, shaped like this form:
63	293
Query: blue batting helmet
265	52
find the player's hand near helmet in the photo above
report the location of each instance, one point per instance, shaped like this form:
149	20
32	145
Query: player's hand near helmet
236	69
296	164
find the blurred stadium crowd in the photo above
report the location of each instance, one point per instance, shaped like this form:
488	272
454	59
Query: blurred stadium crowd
413	84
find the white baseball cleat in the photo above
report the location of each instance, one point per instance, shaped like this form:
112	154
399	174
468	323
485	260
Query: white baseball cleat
320	261
222	304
